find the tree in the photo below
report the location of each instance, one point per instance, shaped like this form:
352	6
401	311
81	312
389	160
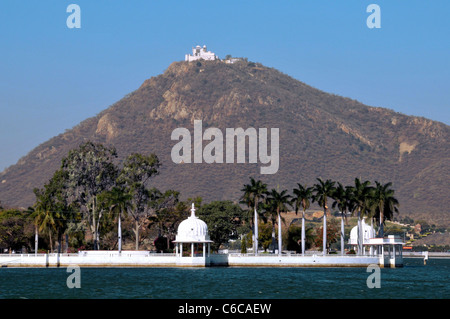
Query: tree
265	235
135	175
31	215
52	211
385	204
118	200
280	202
297	239
332	236
223	219
302	197
343	200
322	191
253	193
90	170
54	194
44	218
270	213
15	229
168	212
361	196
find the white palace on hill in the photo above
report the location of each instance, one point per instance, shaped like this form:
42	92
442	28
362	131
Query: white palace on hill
200	53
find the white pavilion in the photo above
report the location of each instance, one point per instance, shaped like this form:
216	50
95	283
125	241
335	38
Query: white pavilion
192	243
388	249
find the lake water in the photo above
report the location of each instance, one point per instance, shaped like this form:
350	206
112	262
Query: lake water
414	280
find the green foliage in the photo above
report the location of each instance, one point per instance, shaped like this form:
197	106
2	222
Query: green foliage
265	235
244	245
52	212
16	230
294	238
333	234
90	171
223	219
135	175
168	213
302	197
322	191
253	193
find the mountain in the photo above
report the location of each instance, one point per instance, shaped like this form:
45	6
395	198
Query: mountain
320	135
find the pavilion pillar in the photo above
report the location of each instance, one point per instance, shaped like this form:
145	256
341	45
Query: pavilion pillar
176	249
192	249
204	250
209	249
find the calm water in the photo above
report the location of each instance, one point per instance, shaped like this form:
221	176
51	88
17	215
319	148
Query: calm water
412	281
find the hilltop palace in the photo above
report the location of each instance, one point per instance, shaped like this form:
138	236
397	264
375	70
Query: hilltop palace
201	53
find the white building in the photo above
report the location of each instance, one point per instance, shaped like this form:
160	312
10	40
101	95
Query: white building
192	243
201	53
232	60
367	230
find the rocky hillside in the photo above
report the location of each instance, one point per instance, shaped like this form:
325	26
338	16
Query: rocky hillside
321	135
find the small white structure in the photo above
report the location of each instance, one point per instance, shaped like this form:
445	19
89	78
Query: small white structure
389	250
200	53
232	60
367	231
192	235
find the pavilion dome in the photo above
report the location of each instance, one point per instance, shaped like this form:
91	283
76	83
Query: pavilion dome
192	229
367	230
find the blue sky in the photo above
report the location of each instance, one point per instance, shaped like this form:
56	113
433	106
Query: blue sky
53	77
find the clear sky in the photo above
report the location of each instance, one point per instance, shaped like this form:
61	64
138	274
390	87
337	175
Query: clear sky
53	77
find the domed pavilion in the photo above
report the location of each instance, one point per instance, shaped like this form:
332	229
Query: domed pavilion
192	243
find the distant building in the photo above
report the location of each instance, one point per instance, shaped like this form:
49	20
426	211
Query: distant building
199	53
232	60
418	228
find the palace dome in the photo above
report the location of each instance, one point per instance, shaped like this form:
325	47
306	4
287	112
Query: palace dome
192	229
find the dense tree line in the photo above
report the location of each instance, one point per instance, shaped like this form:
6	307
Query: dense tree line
361	199
92	202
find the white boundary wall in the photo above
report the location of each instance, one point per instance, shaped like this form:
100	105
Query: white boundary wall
146	259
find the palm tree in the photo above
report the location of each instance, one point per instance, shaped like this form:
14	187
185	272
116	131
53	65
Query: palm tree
32	216
385	204
118	200
322	191
247	199
270	212
253	193
279	201
343	199
361	196
45	220
302	197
